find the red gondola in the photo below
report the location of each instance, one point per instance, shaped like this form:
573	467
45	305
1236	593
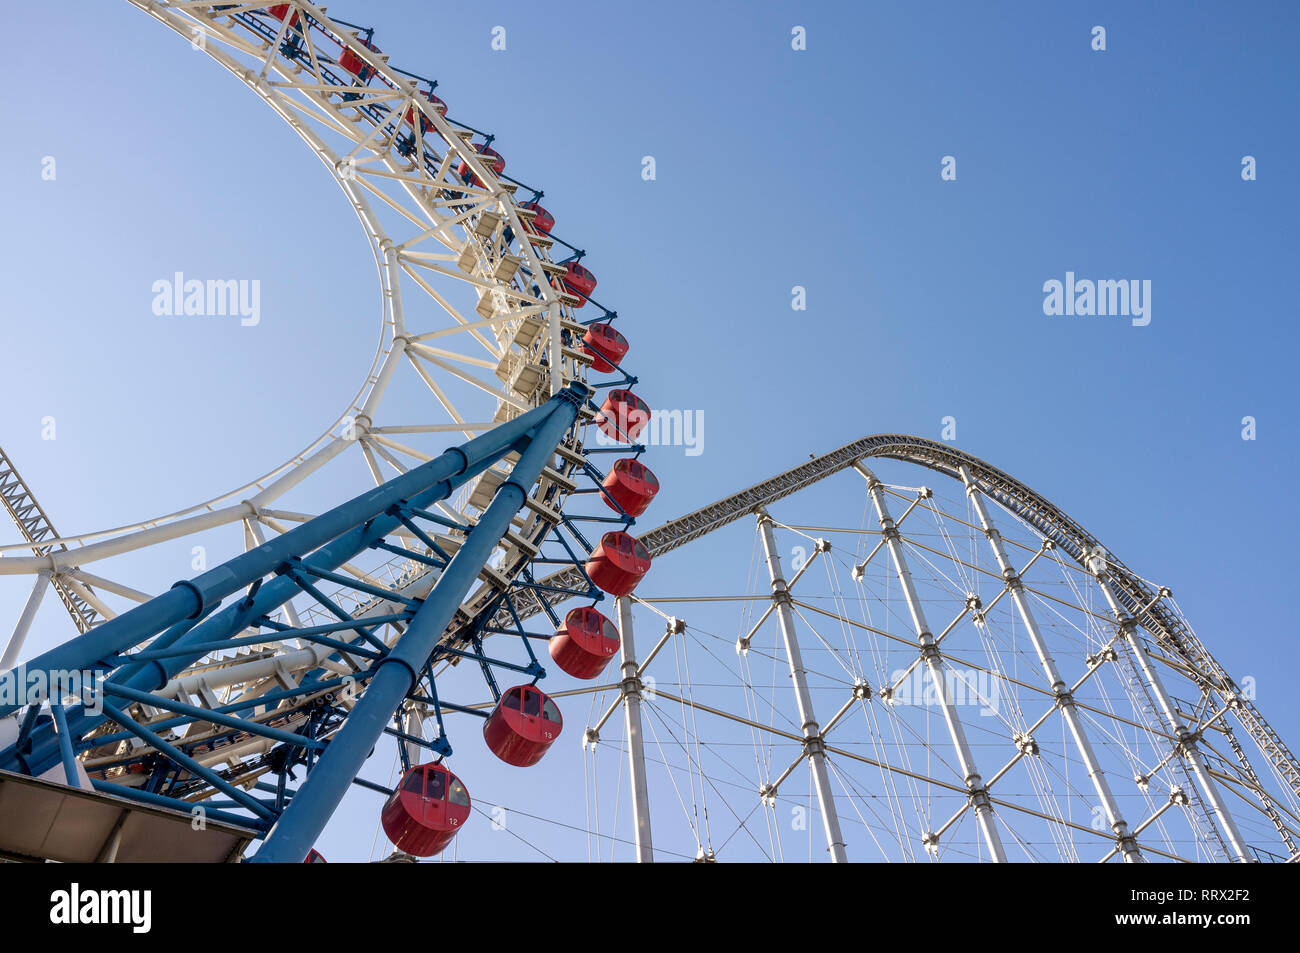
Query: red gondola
623	416
542	222
632	486
429	806
425	125
619	563
280	11
586	643
522	726
315	857
354	64
606	345
497	163
579	281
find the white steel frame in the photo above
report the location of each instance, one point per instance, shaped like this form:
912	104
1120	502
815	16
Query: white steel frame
439	236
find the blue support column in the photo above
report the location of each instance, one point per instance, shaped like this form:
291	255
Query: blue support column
189	598
397	674
332	539
65	742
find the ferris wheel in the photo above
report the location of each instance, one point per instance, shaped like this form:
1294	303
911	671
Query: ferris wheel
484	305
971	676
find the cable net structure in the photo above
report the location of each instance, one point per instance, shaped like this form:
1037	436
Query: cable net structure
958	672
888	670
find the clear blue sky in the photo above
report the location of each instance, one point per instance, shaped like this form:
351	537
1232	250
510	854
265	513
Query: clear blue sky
776	168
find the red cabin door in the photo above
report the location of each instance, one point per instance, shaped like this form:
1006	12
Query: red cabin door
550	720
532	712
435	799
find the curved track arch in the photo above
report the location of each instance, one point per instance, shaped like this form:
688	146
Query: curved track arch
409	197
1146	626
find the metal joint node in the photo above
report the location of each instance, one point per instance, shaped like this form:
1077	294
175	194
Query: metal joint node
198	595
1107	654
1025	743
861	691
767	794
930	841
929	651
631	685
675	626
576	393
361	425
590	737
1178	796
822	546
974	602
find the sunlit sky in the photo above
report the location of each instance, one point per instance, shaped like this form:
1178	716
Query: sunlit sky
775	168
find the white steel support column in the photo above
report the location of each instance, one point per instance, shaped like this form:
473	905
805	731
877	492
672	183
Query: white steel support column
297	474
631	688
812	735
934	666
393	287
10	658
413	725
385	375
1124	840
1186	740
556	348
128	542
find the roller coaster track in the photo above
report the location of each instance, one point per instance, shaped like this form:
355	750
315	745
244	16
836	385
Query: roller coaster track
1149	609
37	530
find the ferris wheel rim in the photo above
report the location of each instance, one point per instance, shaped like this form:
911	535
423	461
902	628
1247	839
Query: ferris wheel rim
389	334
440	209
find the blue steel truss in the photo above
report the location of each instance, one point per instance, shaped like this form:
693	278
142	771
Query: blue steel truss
133	655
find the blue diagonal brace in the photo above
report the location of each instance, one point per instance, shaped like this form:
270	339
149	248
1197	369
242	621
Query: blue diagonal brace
333	538
398	674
